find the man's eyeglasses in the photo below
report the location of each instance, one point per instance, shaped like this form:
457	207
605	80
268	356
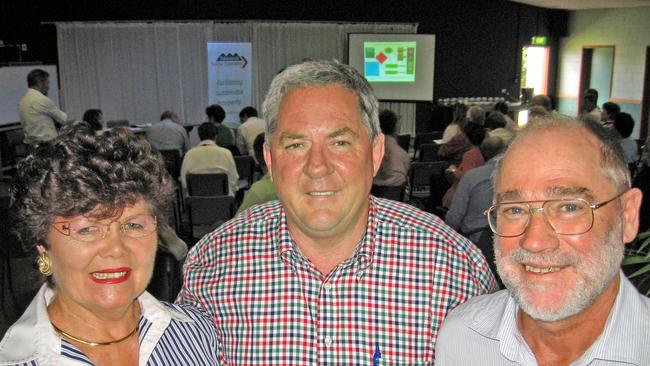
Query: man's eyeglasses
89	230
569	216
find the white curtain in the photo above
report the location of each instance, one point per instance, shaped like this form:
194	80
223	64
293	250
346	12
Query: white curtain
135	71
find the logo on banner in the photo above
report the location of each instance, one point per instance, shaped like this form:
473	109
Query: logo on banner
230	59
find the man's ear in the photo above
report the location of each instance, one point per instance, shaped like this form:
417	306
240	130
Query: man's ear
378	152
631	202
267	158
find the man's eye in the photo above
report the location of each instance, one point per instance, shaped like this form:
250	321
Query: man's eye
294	146
513	211
342	143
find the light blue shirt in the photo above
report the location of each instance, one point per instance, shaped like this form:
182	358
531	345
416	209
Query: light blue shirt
168	135
473	196
483	331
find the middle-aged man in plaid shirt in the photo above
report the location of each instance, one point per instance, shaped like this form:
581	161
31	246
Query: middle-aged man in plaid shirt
328	274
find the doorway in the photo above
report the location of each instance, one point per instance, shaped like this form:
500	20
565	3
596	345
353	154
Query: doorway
596	72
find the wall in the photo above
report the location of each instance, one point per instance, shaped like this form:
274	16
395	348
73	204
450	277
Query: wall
478	43
628	29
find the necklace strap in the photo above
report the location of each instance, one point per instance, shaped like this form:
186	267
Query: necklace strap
93	344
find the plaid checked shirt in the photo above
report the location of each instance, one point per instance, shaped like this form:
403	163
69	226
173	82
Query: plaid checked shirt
385	303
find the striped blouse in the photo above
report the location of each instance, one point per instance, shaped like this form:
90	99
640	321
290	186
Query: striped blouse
169	334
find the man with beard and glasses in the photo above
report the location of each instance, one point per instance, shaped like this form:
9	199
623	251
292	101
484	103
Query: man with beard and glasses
561	221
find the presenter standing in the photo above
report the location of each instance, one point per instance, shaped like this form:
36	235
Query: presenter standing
38	114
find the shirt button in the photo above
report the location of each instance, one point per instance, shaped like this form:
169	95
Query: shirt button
328	341
328	286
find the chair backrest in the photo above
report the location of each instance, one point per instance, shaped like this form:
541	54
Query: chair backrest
172	162
207	184
404	141
420	172
429	152
395	193
245	167
211	209
425	138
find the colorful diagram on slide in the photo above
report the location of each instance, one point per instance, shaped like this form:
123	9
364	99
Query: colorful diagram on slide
389	61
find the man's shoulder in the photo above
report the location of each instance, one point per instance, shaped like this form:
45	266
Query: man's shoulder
485	309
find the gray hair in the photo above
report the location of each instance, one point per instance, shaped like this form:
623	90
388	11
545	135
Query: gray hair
613	164
319	74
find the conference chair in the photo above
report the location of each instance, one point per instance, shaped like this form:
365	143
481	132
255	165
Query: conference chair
420	174
173	163
246	170
424	138
209	212
404	141
429	152
207	184
395	193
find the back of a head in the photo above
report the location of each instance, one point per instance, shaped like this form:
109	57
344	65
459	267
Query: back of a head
501	107
387	121
248	112
36	77
542	101
538	111
215	112
93	117
460	113
476	115
624	124
320	74
494	120
258	150
491	147
474	133
207	131
611	109
167	115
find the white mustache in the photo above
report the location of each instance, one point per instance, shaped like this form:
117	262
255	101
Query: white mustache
552	259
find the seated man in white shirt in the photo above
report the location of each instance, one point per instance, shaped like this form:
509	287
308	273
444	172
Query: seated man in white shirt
38	114
208	157
251	127
563	211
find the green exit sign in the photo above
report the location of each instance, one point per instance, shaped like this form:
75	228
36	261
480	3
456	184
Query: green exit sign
539	41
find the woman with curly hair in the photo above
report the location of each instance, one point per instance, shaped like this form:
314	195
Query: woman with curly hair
89	207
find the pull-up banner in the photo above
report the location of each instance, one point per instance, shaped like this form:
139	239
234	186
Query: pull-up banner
230	78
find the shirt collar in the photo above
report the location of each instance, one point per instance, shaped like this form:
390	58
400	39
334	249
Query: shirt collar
207	143
360	259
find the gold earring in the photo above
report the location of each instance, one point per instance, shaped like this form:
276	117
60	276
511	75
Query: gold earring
44	264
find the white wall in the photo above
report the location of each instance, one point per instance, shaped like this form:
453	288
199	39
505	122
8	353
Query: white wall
628	29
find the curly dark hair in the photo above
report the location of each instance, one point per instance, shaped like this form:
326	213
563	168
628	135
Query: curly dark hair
79	172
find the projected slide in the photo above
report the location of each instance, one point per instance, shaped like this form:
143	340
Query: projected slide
389	61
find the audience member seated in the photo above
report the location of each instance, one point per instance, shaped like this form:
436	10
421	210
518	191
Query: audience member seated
95	118
474	193
624	124
169	133
251	127
263	190
590	108
395	164
472	158
610	110
543	101
563	213
502	108
454	149
226	137
495	125
457	124
208	157
88	208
